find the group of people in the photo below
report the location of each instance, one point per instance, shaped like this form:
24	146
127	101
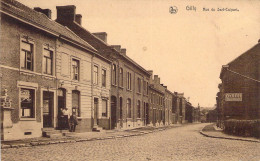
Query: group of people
68	122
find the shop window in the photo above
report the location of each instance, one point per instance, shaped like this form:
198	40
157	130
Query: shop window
104	108
26	57
76	102
27	101
47	61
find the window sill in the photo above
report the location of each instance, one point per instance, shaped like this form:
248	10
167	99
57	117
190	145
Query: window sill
129	90
104	117
120	87
27	119
138	93
27	72
48	76
138	118
114	85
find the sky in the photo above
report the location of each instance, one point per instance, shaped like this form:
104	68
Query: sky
186	49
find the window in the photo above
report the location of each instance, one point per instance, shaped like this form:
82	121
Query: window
95	75
138	109
129	81
27	100
26	58
47	61
75	102
121	107
121	79
104	108
75	69
144	87
147	87
139	85
128	105
114	75
104	74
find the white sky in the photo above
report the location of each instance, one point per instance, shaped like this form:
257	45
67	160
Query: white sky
186	49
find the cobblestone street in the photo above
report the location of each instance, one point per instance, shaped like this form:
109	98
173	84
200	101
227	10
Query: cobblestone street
181	143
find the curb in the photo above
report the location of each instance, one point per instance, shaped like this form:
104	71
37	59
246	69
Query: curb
228	138
40	143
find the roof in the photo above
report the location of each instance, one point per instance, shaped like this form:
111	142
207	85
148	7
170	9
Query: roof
40	20
233	61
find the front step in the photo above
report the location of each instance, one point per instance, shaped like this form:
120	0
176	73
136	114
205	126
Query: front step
52	133
97	129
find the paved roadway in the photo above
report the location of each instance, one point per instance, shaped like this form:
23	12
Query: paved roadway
181	143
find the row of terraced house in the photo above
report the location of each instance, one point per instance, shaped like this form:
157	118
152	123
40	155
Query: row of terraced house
47	65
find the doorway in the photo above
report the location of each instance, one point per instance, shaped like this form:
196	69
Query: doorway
61	92
113	111
95	111
48	100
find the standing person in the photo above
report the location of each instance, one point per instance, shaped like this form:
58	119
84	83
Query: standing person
65	121
73	122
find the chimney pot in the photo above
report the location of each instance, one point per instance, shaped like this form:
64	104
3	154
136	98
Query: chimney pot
47	12
123	51
66	13
101	35
78	18
116	47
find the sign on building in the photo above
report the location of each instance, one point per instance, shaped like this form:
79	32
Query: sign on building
233	97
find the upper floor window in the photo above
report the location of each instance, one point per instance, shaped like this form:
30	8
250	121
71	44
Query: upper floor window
114	75
75	69
27	102
26	58
129	81
147	87
139	85
121	79
104	74
95	75
47	61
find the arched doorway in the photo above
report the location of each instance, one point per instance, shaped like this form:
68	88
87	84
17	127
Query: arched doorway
113	111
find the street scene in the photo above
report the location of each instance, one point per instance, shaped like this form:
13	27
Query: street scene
180	143
113	80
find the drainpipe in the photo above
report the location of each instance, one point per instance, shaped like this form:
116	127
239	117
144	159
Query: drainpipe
92	106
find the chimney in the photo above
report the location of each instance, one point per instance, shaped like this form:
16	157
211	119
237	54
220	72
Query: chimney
66	13
101	35
47	12
116	47
78	18
123	51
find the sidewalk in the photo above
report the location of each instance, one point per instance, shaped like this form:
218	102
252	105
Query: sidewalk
87	136
213	131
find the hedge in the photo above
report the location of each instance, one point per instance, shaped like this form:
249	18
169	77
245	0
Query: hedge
247	128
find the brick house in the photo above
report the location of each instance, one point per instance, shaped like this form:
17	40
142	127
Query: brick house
179	104
36	77
239	96
168	106
157	104
129	81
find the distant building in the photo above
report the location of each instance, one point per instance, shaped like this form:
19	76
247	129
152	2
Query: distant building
239	92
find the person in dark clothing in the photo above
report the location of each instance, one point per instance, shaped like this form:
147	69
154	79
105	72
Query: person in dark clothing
73	122
65	119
